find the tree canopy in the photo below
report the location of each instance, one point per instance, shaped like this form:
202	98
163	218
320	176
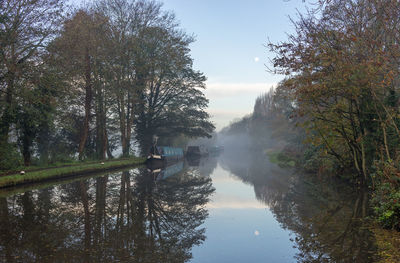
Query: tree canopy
94	80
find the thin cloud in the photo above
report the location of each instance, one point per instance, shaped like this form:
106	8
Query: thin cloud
227	113
221	90
235	205
222	117
229	101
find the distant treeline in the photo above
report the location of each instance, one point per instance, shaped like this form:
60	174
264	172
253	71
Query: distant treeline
271	127
343	88
85	82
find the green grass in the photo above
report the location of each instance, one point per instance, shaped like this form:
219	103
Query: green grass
13	190
280	159
388	244
58	172
58	164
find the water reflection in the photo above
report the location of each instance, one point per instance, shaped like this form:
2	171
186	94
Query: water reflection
327	218
156	215
122	217
204	165
165	172
329	221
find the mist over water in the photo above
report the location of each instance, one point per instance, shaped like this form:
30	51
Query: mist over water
326	218
232	207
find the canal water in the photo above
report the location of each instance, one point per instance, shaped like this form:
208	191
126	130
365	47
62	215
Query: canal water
227	208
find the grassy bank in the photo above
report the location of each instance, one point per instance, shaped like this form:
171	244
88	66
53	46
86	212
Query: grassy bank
388	242
65	171
59	164
280	159
17	189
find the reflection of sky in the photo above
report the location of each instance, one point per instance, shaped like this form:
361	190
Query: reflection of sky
231	192
240	228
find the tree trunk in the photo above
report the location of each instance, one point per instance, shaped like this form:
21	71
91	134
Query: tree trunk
363	156
385	142
101	140
27	140
109	153
129	123
104	144
88	101
7	117
146	143
27	156
122	125
43	142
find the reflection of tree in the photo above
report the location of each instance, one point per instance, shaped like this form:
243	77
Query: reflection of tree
327	217
128	217
203	165
329	221
6	247
254	169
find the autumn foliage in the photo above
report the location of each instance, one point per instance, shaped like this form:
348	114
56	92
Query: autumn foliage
343	67
342	64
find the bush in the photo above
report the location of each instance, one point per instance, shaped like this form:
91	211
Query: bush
312	160
281	159
386	203
10	158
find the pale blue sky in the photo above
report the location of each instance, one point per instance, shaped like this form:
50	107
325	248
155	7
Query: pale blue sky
229	47
230	38
231	33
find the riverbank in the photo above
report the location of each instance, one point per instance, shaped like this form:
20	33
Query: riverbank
388	242
66	171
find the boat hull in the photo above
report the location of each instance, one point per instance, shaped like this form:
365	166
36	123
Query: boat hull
156	163
162	161
161	156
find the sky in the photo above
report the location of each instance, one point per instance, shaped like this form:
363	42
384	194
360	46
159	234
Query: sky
230	48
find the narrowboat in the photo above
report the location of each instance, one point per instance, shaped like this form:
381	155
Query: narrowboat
163	155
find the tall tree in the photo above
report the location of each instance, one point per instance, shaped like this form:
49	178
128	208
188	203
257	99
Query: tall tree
79	47
172	101
129	61
25	29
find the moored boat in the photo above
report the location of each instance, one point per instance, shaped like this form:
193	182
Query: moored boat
162	155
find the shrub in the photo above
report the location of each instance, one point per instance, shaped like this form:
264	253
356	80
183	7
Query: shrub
10	158
386	203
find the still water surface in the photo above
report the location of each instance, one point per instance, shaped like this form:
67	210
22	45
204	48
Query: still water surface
219	209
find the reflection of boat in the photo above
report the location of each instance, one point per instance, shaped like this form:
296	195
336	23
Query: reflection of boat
163	173
196	152
193	161
216	150
161	155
